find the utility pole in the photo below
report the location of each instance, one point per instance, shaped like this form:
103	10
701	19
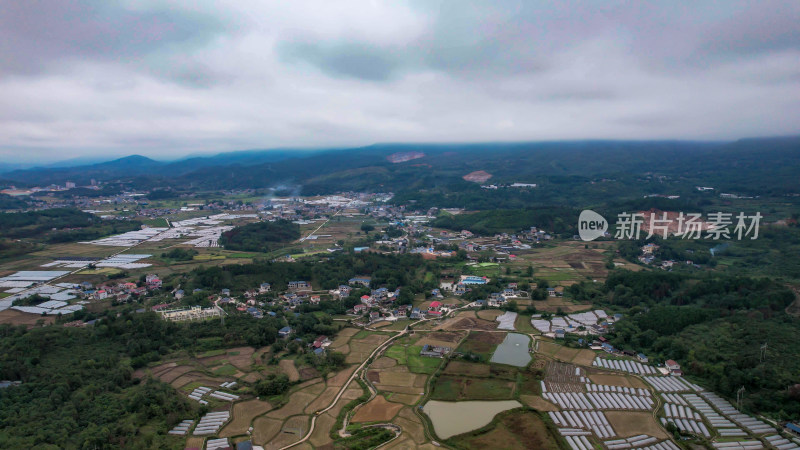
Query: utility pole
739	395
763	352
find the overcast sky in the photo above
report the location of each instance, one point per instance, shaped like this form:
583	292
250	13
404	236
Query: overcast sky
165	79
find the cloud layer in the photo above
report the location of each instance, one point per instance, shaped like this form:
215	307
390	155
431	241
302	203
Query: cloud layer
167	79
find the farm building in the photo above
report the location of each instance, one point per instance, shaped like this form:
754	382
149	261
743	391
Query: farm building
193	313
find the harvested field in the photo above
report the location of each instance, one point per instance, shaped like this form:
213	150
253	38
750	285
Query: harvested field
411	425
467	321
581	357
377	410
241	357
323	400
287	366
617	380
347	332
481	342
320	436
489	314
14	317
406	399
441	338
393	378
340	378
291	432
297	402
264	429
516	430
308	383
628	423
381	324
554	303
243	414
194	441
458	388
307	373
251	377
170	375
538	403
466	368
383	363
195	377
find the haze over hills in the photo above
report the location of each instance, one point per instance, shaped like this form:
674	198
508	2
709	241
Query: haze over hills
325	171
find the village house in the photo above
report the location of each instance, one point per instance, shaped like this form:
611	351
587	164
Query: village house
314	300
284	332
360	309
299	286
264	287
321	341
363	281
152	281
432	351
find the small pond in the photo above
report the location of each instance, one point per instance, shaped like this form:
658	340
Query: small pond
452	418
513	351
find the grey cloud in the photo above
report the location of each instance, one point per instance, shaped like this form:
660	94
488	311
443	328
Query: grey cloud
37	35
347	59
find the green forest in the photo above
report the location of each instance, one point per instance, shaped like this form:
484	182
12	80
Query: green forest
260	236
714	325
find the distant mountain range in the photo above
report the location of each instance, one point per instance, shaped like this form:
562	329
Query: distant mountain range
747	165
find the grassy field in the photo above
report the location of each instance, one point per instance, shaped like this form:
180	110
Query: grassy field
458	388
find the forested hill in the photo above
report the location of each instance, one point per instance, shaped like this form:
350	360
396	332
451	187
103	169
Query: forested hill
752	166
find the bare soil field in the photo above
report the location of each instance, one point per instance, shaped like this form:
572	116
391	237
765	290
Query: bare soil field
467	320
287	366
377	410
243	414
441	338
629	423
381	324
264	429
538	403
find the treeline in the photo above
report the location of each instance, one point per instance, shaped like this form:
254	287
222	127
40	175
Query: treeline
59	225
260	236
553	219
387	270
